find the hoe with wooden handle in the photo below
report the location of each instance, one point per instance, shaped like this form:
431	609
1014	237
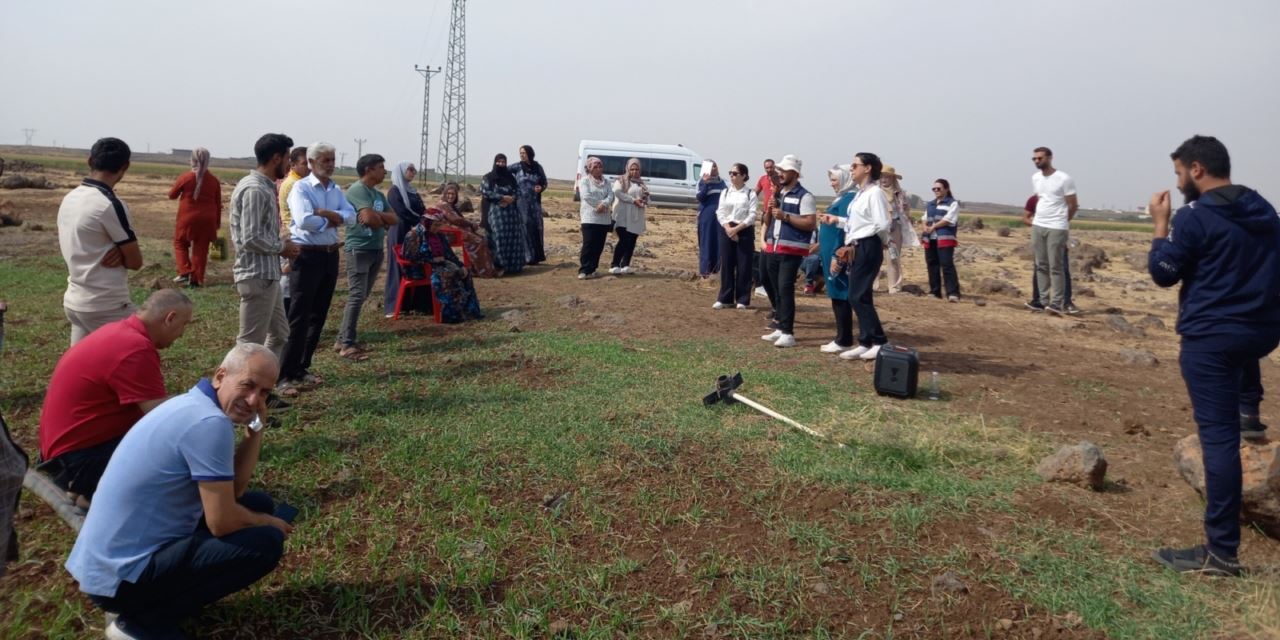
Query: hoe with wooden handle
727	392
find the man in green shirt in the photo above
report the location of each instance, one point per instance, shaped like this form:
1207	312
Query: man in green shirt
364	247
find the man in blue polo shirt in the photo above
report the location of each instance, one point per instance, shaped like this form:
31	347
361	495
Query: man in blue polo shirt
1222	247
172	528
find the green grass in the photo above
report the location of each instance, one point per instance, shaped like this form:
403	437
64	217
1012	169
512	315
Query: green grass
422	476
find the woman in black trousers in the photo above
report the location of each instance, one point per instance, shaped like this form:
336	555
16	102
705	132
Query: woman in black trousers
736	215
866	230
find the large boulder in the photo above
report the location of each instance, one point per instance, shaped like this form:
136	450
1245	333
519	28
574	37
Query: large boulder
1082	464
1260	492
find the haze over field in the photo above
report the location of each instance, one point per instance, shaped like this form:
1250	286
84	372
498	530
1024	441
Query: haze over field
956	90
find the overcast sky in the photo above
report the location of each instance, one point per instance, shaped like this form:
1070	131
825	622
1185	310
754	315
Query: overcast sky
962	90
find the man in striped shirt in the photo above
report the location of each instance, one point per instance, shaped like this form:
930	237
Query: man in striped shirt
255	228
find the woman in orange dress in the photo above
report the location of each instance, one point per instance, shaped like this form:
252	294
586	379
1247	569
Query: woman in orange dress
199	197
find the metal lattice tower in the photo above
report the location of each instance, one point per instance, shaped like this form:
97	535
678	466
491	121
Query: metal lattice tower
426	72
453	121
29	133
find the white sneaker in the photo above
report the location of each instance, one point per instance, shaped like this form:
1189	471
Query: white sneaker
831	347
582	276
761	292
718	305
785	340
627	270
853	353
870	354
615	270
772	336
742	306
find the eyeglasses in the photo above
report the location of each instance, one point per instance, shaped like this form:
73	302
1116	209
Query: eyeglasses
857	164
937	189
734	173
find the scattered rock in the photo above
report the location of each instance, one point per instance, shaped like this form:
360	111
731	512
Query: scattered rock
981	302
1135	428
514	315
1117	323
948	583
554	501
1151	322
35	227
1138	261
1063	324
1004	232
156	284
992	286
972	224
821	588
1024	251
20	181
559	628
570	301
1260	494
1083	292
912	289
1082	464
897	617
1005	624
473	549
1138	358
8	215
1088	257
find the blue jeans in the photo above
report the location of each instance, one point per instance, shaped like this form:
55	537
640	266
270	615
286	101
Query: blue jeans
188	573
1223	380
812	268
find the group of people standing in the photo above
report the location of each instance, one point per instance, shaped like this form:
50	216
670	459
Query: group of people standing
619	207
511	211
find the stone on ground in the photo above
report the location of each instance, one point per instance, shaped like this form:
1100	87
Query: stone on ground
1082	464
1260	493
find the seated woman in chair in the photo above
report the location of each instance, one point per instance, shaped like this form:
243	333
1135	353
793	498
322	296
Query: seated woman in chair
425	245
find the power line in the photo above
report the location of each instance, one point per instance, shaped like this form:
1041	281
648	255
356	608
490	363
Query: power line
360	147
29	133
426	72
453	121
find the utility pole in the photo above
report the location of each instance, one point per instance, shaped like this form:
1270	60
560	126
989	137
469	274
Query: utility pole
360	147
29	133
453	122
426	72
342	159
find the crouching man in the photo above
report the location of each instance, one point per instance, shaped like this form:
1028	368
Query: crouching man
172	528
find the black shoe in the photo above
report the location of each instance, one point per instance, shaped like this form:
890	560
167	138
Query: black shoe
276	403
773	324
1070	309
1054	309
1251	428
1035	305
1197	559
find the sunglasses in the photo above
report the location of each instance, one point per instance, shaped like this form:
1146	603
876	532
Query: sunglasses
734	173
937	189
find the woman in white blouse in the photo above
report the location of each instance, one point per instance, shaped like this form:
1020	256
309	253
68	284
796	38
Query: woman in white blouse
595	216
631	199
736	213
865	231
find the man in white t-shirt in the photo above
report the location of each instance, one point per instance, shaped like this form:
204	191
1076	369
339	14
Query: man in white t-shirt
1055	207
98	243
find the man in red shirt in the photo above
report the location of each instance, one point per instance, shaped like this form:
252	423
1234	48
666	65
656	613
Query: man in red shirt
101	386
765	188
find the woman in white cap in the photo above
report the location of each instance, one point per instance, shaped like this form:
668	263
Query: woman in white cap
901	231
866	231
630	199
736	215
830	238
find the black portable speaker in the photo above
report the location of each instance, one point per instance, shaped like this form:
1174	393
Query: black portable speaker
897	371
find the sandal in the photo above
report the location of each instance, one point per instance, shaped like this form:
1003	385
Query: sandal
354	354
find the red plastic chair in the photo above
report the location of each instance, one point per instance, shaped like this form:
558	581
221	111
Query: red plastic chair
455	240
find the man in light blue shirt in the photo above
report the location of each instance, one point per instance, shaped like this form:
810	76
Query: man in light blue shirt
318	208
172	528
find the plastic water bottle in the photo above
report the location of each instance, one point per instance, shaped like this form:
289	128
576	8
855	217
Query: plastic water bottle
935	388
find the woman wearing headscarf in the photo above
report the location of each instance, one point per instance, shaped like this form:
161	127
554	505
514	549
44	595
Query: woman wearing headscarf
199	197
408	206
507	228
830	238
450	281
474	243
736	217
710	186
938	236
901	232
630	199
531	181
595	215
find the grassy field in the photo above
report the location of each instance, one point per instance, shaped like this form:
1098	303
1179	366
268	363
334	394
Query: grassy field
472	481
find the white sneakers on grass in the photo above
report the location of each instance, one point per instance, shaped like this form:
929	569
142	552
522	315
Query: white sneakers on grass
615	270
785	340
771	337
831	347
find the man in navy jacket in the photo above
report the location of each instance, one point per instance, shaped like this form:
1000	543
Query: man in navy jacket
1222	247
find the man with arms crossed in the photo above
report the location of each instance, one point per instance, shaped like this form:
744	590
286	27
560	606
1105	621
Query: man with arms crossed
1055	207
98	243
172	528
1223	247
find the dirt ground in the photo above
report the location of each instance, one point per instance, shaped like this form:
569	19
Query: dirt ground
1063	379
